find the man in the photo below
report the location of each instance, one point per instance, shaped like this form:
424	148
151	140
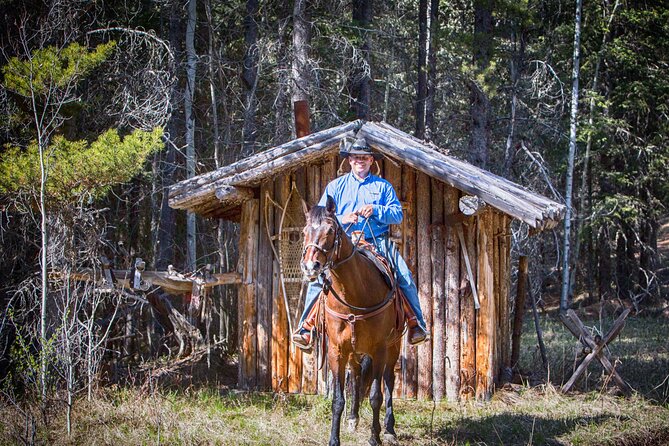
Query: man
360	197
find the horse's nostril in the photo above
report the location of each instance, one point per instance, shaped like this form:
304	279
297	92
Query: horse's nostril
317	265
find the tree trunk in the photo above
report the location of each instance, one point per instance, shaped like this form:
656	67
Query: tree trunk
300	70
421	89
166	166
250	77
432	70
189	95
361	78
584	195
564	295
480	103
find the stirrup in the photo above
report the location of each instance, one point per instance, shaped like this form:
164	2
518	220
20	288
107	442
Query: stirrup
303	339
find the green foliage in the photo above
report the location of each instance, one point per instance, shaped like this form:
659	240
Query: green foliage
53	67
78	169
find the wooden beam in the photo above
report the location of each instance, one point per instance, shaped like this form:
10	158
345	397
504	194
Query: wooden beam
452	302
204	182
438	292
424	283
409	248
503	194
468	317
247	267
485	317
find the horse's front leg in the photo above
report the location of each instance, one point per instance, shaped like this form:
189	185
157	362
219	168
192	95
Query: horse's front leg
355	380
375	399
338	367
389	422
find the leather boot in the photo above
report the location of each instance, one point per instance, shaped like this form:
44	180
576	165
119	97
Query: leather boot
302	339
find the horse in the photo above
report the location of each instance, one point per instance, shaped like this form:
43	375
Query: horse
361	320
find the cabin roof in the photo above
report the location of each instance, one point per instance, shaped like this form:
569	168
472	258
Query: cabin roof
219	193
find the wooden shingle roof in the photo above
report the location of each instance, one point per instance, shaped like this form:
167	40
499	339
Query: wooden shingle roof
220	192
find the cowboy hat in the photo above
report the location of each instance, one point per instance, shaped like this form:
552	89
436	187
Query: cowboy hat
359	147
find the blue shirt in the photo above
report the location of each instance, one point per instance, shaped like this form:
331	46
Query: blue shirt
351	193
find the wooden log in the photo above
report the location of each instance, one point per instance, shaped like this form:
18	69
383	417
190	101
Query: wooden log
468	317
424	282
497	297
264	288
485	318
286	163
470	205
253	177
505	293
280	339
438	292
393	174
409	195
233	195
294	354
452	300
519	309
553	210
201	181
247	267
313	194
328	171
503	194
314	184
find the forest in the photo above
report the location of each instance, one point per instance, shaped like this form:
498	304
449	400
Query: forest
104	105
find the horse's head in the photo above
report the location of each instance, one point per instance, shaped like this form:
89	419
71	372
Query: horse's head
322	238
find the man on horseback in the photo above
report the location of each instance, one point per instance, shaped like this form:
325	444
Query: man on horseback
368	204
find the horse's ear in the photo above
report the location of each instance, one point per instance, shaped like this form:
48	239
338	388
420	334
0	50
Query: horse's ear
330	205
305	208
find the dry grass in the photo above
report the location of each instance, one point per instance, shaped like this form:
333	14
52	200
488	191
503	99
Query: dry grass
521	414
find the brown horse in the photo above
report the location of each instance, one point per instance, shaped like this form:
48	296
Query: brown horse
360	319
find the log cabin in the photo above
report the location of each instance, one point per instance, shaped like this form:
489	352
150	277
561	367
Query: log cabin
455	237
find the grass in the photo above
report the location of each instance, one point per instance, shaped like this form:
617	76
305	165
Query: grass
517	415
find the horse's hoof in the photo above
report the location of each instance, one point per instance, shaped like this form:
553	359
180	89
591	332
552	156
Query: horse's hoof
390	439
352	425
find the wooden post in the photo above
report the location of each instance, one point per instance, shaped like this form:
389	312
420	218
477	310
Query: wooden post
424	283
409	194
247	266
468	317
505	290
497	296
393	174
309	366
264	300
438	300
452	300
521	293
485	318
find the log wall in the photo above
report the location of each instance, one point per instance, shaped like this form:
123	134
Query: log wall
468	348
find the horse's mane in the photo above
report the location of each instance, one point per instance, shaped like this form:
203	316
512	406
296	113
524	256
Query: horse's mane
317	214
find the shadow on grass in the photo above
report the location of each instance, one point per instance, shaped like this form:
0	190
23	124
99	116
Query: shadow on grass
512	429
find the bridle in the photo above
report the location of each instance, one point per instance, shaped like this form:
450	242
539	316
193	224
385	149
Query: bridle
331	252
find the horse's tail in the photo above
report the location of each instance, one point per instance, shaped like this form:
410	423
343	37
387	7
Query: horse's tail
365	375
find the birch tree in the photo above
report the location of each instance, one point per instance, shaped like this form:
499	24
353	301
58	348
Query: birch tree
564	295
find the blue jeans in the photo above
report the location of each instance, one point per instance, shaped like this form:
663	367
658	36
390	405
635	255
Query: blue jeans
402	274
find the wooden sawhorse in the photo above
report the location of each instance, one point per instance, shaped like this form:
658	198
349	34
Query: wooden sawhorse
594	347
